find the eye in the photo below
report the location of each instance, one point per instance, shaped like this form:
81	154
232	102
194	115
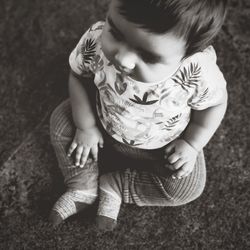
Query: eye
115	34
149	58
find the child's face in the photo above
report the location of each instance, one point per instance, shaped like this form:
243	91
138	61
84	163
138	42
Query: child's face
142	55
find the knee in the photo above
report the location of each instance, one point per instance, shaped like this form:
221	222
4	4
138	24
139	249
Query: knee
187	197
53	123
191	187
106	180
111	182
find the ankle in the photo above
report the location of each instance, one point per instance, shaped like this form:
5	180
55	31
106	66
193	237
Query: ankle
69	204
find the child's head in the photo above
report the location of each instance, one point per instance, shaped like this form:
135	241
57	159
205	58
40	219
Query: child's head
196	21
149	38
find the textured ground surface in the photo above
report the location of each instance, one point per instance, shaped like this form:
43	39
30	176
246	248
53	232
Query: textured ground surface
35	40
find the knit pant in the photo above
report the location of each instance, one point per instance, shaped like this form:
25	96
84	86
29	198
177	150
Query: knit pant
124	173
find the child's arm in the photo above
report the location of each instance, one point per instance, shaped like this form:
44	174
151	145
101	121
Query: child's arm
203	125
87	136
199	131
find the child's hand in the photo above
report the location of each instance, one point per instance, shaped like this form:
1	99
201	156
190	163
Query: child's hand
85	142
182	157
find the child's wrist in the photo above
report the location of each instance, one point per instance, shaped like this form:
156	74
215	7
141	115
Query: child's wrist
195	147
84	128
85	124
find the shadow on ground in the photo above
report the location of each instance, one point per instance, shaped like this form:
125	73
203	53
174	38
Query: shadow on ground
36	39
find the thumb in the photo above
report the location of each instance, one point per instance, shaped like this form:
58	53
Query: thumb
101	142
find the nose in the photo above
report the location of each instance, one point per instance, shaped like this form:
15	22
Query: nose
125	58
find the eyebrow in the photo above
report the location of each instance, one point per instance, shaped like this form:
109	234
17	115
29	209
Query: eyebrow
142	51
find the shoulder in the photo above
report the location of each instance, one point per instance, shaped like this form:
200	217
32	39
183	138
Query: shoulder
206	62
90	38
95	29
207	59
90	42
98	26
206	79
87	49
204	59
93	33
208	54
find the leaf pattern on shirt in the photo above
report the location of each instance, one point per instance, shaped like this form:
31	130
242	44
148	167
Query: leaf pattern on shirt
97	64
143	100
120	85
109	128
107	92
200	99
172	122
88	50
204	95
188	77
131	142
94	27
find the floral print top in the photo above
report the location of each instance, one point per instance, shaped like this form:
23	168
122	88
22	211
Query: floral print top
148	115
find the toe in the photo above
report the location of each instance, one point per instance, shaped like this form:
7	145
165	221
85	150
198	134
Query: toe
105	223
55	218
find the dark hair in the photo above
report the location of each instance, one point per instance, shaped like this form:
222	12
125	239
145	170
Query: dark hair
197	21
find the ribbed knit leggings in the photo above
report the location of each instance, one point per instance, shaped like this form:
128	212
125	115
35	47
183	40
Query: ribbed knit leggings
123	173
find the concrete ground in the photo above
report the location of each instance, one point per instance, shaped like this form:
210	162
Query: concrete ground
36	38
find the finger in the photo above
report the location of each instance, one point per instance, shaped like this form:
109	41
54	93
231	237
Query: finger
178	164
173	158
71	148
188	168
169	149
179	174
84	156
187	174
94	152
184	171
101	142
78	155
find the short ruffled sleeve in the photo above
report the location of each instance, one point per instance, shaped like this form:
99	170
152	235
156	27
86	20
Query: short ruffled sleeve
81	57
211	88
